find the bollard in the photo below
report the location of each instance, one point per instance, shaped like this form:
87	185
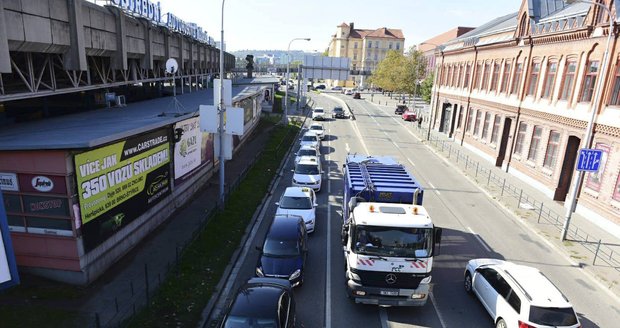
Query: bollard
598	246
450	152
477	166
489	179
503	185
540	212
520	195
466	162
458	154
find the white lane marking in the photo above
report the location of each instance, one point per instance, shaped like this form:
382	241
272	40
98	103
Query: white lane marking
328	268
410	161
359	137
435	189
479	240
443	323
346	147
383	318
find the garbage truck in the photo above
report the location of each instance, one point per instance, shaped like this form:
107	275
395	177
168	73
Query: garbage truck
388	237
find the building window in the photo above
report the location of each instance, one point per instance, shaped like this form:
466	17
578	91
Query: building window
377	44
615	95
467	76
460	74
589	81
616	195
568	80
477	124
390	45
485	127
355	56
478	76
355	45
533	82
485	78
595	178
516	79
505	77
376	57
495	76
552	69
533	153
369	44
470	118
459	122
520	138
495	132
551	154
397	46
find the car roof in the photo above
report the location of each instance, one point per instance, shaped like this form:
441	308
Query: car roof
297	192
317	108
311	160
337	107
254	300
316	124
373	214
307	147
283	227
540	289
310	132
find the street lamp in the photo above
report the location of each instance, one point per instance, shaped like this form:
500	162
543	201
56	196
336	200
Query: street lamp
288	64
597	106
432	109
222	111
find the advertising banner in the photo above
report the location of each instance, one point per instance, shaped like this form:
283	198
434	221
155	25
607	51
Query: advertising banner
8	182
187	151
119	182
8	267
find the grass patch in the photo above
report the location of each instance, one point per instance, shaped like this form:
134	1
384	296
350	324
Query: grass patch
182	297
277	102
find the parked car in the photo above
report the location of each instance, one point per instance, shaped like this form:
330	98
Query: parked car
283	254
409	116
338	112
299	201
307	173
318	129
310	139
320	87
348	92
400	109
337	88
318	114
307	150
357	96
262	302
518	295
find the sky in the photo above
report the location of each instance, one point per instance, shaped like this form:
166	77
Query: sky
272	24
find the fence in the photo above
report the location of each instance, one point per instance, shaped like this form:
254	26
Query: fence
496	183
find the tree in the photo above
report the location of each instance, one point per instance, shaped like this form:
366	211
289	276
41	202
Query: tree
426	88
389	72
325	53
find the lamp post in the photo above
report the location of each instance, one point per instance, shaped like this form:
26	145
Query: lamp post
595	109
288	64
222	112
432	110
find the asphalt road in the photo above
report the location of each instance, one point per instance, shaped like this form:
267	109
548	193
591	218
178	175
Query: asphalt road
474	226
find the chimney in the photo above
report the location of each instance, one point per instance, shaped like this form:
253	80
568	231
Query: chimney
351	25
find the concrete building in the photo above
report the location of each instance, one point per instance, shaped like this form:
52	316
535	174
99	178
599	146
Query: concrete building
521	89
365	48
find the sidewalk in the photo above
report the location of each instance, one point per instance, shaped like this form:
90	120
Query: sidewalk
122	291
595	249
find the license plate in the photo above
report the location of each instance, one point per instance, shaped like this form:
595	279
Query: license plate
388	293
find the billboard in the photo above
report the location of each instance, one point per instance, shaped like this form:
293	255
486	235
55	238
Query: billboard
119	182
331	68
8	267
187	151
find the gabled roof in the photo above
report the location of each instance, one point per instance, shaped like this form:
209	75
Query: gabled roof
343	25
382	32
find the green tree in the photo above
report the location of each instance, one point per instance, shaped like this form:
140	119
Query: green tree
389	72
415	68
325	53
426	88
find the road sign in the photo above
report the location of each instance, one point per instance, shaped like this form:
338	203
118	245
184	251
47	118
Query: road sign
589	160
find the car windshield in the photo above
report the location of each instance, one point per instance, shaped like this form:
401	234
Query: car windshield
246	322
281	247
295	203
318	111
307	152
309	138
393	241
338	109
307	169
316	127
549	316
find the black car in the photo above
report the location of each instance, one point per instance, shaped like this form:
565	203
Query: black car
320	87
338	112
357	95
283	254
262	302
400	109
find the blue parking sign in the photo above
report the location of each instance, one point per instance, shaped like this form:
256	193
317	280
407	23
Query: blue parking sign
589	160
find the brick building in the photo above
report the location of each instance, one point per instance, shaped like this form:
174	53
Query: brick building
521	89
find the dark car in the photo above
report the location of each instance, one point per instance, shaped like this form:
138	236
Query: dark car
262	302
284	251
320	87
400	109
357	95
338	112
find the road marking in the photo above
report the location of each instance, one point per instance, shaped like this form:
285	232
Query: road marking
434	188
443	323
479	240
383	318
346	147
328	268
410	161
359	137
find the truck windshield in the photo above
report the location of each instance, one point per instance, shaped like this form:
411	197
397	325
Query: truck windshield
393	241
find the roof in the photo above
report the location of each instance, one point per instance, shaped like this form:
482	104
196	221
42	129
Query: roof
257	301
283	227
97	127
297	192
540	288
308	160
363	215
382	32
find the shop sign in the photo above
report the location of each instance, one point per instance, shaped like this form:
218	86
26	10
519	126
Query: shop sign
50	184
187	150
48	206
144	8
8	182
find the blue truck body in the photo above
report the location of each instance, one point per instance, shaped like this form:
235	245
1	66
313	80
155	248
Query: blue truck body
378	179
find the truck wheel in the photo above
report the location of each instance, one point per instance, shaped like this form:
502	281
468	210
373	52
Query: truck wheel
467	282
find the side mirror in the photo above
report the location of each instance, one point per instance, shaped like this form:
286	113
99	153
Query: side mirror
315	204
438	232
259	248
277	203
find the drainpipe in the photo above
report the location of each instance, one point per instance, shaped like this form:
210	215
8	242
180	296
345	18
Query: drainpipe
521	97
471	87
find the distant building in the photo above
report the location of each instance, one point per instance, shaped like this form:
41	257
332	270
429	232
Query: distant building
365	48
521	90
428	47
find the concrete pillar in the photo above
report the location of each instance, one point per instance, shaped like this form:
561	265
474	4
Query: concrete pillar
75	57
5	59
147	59
119	60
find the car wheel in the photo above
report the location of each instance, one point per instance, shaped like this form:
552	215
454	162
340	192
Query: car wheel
467	282
501	323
